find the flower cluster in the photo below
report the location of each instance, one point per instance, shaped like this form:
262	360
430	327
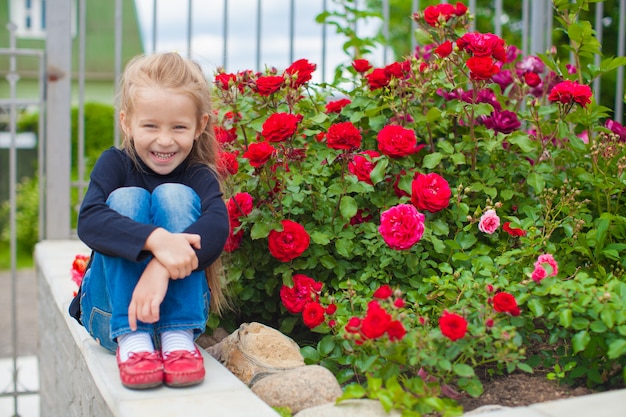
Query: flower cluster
441	174
378	321
79	267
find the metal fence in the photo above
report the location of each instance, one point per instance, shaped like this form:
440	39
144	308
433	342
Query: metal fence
56	71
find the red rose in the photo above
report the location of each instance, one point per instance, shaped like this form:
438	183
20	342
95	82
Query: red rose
513	231
353	325
362	165
269	84
375	322
430	192
241	204
503	302
300	72
233	241
396	141
227	163
444	49
223	135
289	243
570	91
482	68
383	292
225	81
343	135
79	266
396	330
532	79
377	79
361	65
280	127
483	45
304	291
259	153
460	9
337	105
452	326
331	309
435	15
313	314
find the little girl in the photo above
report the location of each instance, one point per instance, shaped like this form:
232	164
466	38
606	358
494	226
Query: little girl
155	219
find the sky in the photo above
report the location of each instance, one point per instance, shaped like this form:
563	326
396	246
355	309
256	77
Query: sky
207	33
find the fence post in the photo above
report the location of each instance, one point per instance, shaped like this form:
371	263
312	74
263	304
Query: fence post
57	150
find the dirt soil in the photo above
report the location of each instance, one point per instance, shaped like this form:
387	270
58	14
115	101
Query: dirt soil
519	390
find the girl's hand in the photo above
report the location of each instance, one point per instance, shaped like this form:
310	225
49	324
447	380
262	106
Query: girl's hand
148	295
174	251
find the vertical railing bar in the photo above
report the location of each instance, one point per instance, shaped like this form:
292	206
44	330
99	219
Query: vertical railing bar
189	27
118	60
225	36
525	23
13	210
386	32
414	9
82	31
621	41
292	29
596	57
324	45
258	35
42	144
549	25
154	25
473	10
497	19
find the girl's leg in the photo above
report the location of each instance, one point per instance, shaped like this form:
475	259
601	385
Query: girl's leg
184	311
185	307
109	283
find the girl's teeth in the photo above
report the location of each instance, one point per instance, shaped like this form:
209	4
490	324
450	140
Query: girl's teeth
163	155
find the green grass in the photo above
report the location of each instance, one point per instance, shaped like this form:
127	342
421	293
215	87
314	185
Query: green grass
24	257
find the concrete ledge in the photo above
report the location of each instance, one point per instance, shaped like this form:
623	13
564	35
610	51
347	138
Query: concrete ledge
79	378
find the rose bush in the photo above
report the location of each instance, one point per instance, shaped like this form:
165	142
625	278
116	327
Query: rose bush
459	209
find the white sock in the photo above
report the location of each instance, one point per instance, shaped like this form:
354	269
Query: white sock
177	340
133	343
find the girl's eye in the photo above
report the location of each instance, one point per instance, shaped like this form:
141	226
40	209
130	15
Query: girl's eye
149	126
180	127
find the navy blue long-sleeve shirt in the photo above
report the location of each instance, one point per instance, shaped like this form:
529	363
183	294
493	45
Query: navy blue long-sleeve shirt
106	231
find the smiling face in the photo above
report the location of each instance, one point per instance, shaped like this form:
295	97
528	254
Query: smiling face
163	127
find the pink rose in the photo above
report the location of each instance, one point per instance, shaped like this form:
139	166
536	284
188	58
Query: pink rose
549	260
401	226
539	273
489	222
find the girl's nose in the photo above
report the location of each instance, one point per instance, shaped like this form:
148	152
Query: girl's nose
164	139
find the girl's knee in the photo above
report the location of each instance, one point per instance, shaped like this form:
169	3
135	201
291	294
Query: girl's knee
131	202
175	206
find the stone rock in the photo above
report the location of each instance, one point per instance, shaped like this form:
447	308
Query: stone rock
255	350
299	388
348	408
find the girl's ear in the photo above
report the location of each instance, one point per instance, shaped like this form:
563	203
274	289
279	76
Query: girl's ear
124	123
203	122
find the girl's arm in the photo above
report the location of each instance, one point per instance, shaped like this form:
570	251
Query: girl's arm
148	294
174	251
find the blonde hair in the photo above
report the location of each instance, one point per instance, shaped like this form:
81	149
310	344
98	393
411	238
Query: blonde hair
173	72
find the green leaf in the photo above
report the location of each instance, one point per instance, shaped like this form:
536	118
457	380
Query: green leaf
260	230
536	306
523	142
348	207
463	370
326	345
353	391
432	114
617	348
320	238
432	160
345	247
536	181
471	385
565	317
525	367
378	173
580	341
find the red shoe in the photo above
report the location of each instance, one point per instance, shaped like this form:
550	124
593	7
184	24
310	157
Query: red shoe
141	370
183	368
